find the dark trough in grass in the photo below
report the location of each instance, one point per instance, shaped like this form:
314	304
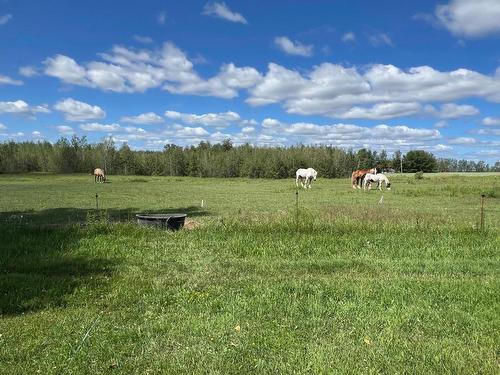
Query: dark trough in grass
164	221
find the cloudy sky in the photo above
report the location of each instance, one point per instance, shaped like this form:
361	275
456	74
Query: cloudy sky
379	74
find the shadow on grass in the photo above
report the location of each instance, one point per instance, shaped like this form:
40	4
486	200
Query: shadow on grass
38	265
39	270
71	215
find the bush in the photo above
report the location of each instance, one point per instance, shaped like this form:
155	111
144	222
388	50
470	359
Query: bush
419	175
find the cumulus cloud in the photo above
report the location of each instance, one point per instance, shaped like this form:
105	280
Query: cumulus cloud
4	80
5	18
143	118
293	47
131	70
221	10
495	132
441	124
189	132
20	107
349	37
248	129
75	110
491	121
380	91
36	134
452	110
28	71
379	39
218	120
382	111
65	130
143	39
462	141
355	132
2	127
271	123
96	127
470	18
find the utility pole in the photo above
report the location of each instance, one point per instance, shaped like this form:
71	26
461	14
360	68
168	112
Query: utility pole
401	162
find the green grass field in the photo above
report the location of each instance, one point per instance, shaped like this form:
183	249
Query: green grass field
409	286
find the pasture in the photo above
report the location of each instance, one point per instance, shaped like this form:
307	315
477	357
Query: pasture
409	285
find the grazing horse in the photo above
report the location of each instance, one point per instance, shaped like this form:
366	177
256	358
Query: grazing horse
305	175
99	175
379	178
358	175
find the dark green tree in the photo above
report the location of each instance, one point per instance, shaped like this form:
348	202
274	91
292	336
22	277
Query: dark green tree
419	160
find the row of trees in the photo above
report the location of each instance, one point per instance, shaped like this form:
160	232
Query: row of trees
214	160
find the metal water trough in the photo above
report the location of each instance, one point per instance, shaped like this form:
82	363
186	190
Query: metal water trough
164	221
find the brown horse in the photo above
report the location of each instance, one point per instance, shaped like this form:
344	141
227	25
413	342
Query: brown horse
358	175
99	175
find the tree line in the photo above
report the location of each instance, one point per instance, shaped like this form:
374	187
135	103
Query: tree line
76	155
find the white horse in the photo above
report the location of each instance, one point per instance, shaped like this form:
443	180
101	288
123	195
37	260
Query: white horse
305	176
99	176
379	178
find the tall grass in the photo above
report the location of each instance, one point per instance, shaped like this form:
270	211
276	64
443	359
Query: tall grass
407	286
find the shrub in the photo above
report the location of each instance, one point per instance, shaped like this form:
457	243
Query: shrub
419	175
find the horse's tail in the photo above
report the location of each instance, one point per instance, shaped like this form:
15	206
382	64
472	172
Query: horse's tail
353	177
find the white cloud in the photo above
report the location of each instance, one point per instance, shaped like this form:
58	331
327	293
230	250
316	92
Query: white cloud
452	110
248	129
65	130
189	132
495	132
5	18
220	10
381	91
382	111
462	141
75	110
20	107
162	18
12	135
293	47
132	70
2	127
271	123
143	118
349	135
379	39
491	121
470	18
66	69
143	39
28	71
132	129
441	124
96	127
217	120
4	80
36	134
349	37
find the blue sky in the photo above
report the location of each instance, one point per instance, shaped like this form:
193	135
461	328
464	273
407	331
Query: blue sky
379	74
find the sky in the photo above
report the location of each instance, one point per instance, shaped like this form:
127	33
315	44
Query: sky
393	75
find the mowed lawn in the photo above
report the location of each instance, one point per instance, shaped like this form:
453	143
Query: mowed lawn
402	281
